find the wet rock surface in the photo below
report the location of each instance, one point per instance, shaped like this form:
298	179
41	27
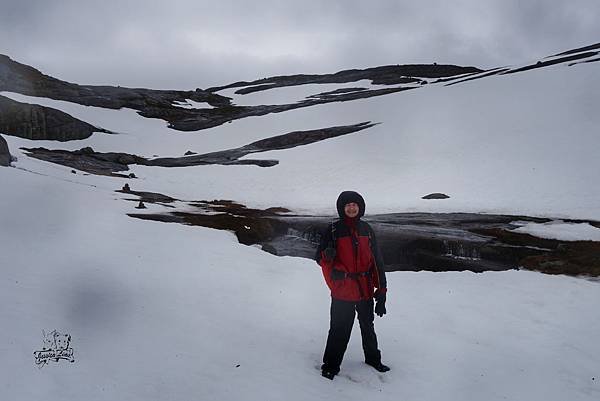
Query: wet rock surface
409	241
251	226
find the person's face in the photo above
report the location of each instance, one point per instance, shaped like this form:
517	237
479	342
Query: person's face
351	209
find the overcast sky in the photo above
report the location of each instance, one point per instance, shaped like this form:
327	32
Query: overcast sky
196	43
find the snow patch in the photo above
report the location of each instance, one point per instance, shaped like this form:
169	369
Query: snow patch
192	104
560	230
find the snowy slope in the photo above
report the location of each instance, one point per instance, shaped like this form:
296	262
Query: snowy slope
499	144
165	311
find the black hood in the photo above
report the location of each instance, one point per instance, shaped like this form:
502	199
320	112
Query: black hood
349	197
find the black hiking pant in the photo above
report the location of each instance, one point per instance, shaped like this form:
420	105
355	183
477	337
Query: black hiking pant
342	318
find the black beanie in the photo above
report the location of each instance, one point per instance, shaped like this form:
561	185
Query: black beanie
350	197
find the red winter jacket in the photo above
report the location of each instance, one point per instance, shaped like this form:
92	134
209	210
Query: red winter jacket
357	255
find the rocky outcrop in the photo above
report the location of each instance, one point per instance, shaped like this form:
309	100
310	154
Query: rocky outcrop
279	142
5	157
32	121
20	78
88	160
93	162
547	63
385	75
578	50
436	195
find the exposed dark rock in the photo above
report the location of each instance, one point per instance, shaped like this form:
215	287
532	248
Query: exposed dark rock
207	118
234	208
94	163
86	159
435	195
578	50
255	88
86	151
279	142
141	205
251	226
5	157
328	97
397	80
32	121
149	197
592	60
393	74
337	92
497	71
189	152
21	78
126	188
132	175
546	63
73	171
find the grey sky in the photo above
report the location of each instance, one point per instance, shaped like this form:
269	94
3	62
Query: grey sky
197	43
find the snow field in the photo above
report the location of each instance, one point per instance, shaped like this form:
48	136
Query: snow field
456	140
161	310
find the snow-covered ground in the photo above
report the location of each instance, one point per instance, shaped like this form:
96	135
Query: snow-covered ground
165	311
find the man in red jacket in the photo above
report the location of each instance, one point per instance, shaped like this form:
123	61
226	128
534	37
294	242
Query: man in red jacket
353	267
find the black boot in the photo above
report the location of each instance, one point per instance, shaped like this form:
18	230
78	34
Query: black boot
327	374
380	367
329	371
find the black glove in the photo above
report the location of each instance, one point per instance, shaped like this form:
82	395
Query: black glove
337	275
329	254
380	298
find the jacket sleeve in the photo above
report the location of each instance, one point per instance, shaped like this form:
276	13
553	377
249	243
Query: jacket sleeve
325	241
377	255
